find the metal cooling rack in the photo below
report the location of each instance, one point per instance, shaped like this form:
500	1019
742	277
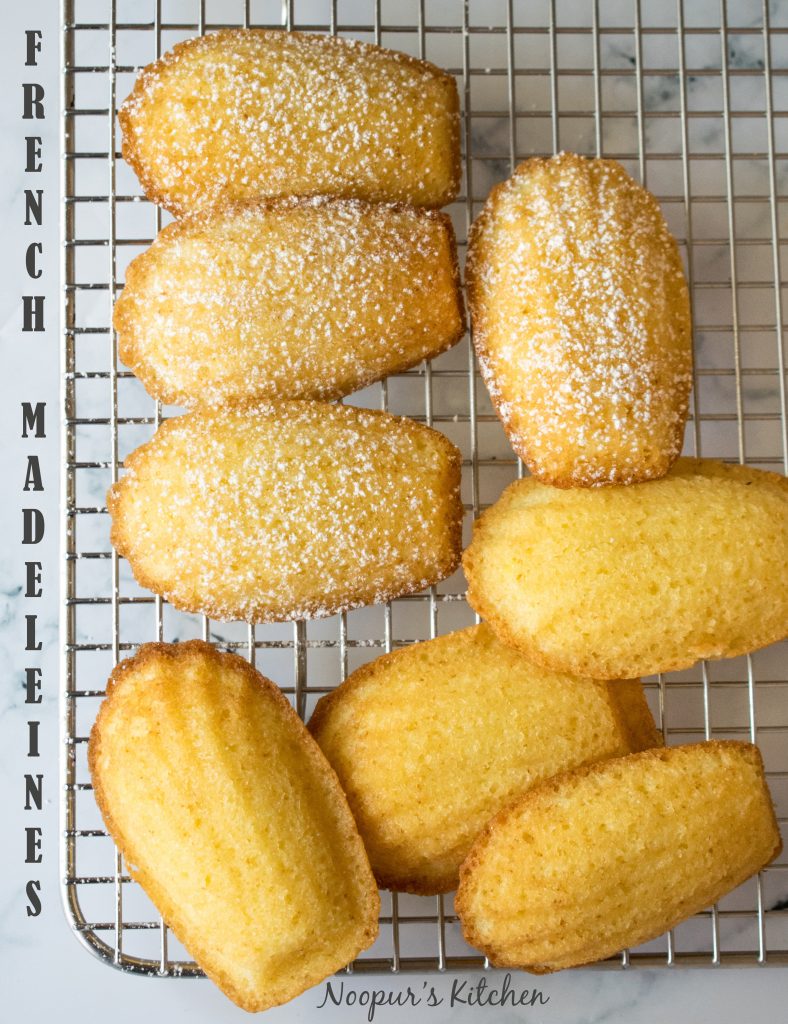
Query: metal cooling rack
693	99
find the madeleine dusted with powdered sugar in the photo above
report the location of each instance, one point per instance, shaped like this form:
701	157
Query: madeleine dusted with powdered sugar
246	113
288	510
289	298
581	321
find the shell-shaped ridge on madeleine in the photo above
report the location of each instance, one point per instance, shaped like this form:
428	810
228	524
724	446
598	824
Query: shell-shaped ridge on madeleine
232	821
618	582
610	856
430	741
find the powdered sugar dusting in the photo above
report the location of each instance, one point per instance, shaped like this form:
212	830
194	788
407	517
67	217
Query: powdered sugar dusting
249	112
582	325
289	511
300	298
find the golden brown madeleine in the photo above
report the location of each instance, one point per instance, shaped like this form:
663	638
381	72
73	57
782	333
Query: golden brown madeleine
287	511
232	821
629	581
244	113
433	740
612	855
303	298
581	322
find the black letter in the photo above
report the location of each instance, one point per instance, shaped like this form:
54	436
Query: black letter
33	686
33	787
33	475
433	999
506	990
378	998
32	889
33	270
33	106
32	739
32	526
31	634
336	1000
455	996
33	419
33	163
33	46
33	573
33	833
32	312
33	206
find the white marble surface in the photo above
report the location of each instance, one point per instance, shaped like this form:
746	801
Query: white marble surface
46	974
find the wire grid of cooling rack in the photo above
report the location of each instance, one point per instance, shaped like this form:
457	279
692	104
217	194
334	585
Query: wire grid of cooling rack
694	101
